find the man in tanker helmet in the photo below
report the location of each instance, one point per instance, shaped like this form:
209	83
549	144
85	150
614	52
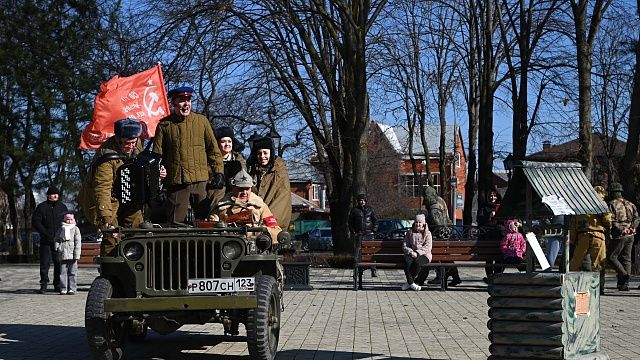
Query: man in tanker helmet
623	229
440	226
363	222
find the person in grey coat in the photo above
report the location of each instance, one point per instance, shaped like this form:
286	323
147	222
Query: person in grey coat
417	254
68	244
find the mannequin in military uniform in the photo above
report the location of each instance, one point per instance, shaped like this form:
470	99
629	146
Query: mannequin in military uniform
439	223
623	229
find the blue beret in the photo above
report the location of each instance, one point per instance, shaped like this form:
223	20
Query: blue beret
183	90
127	128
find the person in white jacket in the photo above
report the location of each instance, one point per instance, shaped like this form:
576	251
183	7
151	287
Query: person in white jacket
68	245
417	254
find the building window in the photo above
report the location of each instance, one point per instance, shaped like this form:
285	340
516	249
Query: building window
458	158
315	192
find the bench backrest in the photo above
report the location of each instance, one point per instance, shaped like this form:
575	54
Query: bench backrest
87	254
442	250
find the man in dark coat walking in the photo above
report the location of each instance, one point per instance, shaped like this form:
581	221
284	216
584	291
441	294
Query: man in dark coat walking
362	222
47	220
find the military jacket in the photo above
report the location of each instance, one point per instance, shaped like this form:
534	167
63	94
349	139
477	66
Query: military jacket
272	185
625	214
260	212
188	147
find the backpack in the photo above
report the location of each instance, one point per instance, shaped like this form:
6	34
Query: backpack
86	197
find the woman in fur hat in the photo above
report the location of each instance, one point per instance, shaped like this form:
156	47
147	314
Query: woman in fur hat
232	158
272	179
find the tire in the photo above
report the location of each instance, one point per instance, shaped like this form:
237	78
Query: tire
263	322
106	338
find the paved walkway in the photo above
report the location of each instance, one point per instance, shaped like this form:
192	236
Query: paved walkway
330	322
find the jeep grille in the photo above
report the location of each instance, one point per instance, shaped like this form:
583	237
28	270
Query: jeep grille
170	263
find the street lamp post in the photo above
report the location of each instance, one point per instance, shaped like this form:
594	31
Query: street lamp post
273	134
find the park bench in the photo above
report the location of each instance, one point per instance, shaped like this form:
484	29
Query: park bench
445	253
89	251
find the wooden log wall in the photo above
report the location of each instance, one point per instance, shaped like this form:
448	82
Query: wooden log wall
533	316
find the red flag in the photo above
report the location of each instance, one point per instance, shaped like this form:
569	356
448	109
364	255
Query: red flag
141	96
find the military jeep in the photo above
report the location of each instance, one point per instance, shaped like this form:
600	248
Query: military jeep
163	278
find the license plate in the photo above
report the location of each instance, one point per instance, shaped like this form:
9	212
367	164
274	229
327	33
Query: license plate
223	285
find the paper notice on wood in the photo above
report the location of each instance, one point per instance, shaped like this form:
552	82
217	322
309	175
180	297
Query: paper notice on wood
537	250
582	303
558	205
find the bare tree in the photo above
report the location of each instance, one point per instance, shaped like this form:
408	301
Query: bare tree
522	27
612	82
585	37
316	51
630	173
480	60
402	68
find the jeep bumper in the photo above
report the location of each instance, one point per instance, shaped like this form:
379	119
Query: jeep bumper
179	303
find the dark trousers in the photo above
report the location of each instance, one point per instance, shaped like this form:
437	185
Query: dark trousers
48	255
621	248
450	272
415	269
490	270
180	198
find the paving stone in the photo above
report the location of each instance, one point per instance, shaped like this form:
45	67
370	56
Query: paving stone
329	322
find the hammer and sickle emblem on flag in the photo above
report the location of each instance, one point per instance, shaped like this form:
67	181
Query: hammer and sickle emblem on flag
152	102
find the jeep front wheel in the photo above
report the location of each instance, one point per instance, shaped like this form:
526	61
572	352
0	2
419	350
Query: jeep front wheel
106	338
263	322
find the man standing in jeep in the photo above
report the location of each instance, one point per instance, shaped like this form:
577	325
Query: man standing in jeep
191	155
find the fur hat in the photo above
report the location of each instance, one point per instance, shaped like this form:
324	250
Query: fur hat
127	128
225	131
264	142
53	190
242	179
421	218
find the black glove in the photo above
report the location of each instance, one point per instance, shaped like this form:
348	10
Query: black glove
216	181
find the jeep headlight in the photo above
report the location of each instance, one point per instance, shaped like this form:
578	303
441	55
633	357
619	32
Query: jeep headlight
263	242
231	250
133	251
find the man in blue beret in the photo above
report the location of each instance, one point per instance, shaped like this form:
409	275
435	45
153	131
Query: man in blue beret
191	156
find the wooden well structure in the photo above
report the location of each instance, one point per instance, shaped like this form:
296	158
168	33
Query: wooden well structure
546	315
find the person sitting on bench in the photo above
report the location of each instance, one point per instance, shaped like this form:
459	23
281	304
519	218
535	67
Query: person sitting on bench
417	254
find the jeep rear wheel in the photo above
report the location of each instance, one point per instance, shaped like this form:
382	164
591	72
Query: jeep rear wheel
106	338
263	322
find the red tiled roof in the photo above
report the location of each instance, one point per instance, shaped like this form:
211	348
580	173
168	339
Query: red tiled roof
569	151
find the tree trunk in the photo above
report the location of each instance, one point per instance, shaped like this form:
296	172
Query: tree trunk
630	157
584	46
485	121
